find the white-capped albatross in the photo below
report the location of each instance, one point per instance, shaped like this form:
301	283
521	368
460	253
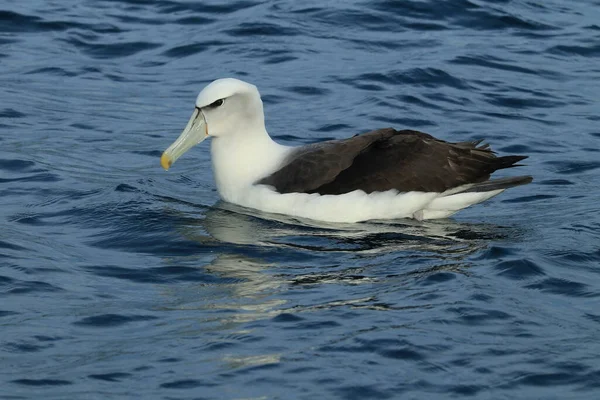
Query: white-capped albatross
383	174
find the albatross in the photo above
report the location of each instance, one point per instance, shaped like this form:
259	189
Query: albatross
382	174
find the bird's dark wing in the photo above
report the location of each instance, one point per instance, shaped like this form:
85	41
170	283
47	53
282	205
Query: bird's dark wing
386	159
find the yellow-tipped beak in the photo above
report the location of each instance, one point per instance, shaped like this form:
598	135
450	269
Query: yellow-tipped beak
195	132
166	161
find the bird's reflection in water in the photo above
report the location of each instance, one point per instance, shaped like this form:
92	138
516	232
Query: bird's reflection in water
262	263
233	224
250	242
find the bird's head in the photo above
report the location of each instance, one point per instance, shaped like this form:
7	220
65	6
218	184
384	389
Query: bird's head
224	107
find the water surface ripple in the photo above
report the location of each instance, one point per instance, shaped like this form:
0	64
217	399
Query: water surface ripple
118	280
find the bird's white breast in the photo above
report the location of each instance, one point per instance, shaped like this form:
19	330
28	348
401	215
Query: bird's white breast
239	162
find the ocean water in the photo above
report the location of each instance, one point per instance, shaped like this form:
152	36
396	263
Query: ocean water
119	280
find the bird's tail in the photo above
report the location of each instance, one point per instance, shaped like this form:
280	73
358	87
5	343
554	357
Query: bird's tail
497	184
456	199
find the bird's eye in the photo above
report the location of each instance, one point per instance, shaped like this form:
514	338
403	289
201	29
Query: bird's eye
216	104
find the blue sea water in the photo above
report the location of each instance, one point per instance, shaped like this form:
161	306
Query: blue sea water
119	280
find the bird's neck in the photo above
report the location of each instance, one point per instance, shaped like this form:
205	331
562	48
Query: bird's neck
240	160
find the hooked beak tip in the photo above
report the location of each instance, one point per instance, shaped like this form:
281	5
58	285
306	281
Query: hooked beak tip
166	161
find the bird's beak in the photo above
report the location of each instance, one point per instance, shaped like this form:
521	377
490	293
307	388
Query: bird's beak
195	132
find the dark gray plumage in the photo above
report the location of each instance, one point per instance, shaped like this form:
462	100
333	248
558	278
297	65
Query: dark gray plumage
387	159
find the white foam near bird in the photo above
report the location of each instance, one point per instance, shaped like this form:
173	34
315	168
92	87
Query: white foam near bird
383	174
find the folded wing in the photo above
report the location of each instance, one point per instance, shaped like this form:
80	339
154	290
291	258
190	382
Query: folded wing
387	159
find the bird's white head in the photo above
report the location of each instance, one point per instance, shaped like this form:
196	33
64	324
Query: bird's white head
224	107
